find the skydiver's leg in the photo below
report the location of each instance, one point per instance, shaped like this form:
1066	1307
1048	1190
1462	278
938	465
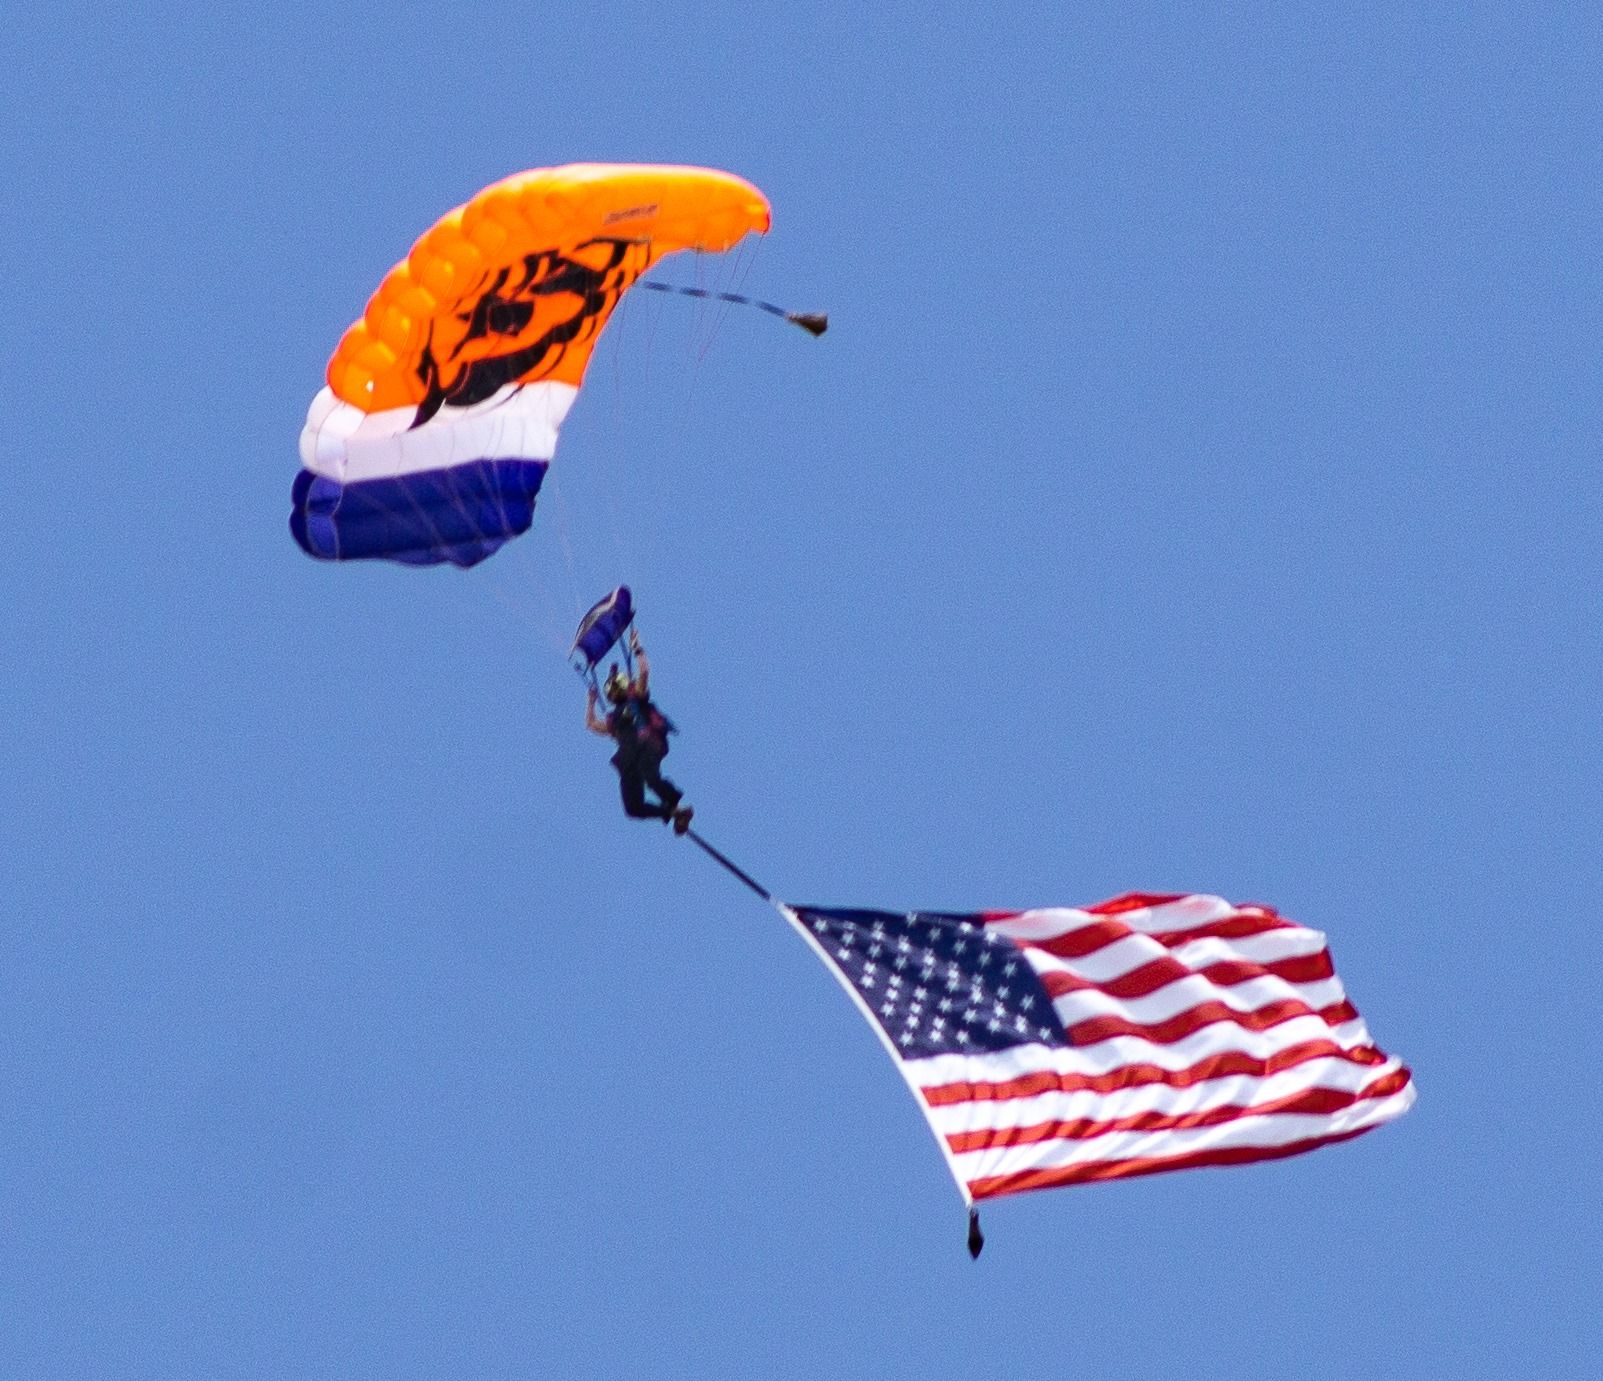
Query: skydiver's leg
632	787
651	773
673	806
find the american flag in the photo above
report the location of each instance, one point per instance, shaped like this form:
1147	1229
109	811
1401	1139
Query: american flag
1141	1034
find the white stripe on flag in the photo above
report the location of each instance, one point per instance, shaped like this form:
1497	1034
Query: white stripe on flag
1265	1132
1242	1091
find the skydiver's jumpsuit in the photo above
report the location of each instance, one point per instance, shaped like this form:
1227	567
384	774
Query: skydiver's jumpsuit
641	733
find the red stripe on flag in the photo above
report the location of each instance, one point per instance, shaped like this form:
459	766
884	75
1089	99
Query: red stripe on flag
1147	1165
1159	973
1231	928
1189	1022
1227	1065
1087	939
1299	968
1076	944
1315	1102
1133	901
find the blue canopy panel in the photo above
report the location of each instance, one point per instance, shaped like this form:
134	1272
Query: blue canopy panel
603	626
461	514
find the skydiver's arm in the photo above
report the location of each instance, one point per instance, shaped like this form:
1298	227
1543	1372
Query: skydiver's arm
643	675
592	722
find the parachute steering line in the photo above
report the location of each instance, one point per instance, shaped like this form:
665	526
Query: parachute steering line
814	323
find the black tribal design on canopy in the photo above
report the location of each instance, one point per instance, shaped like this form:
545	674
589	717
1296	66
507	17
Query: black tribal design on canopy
506	307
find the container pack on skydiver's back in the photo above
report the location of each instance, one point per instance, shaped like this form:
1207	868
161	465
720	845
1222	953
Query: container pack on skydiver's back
640	722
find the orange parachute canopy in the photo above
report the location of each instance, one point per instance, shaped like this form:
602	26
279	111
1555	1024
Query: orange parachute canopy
516	285
443	403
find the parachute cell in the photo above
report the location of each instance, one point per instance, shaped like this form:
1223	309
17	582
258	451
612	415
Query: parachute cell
443	403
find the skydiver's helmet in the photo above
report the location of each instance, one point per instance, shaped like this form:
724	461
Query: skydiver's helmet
617	685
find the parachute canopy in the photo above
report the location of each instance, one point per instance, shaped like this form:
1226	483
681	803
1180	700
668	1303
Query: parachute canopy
440	415
601	628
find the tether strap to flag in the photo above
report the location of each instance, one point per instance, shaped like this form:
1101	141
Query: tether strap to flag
739	872
976	1239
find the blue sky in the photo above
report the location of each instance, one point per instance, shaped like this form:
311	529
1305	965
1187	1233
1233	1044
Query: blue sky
1198	489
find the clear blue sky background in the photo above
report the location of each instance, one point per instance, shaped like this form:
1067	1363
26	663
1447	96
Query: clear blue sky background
1198	489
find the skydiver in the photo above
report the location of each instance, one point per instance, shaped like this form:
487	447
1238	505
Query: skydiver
641	732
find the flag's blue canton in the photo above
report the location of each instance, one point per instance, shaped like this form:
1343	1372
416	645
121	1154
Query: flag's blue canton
938	984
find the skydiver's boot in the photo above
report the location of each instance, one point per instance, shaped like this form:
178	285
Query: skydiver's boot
682	818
